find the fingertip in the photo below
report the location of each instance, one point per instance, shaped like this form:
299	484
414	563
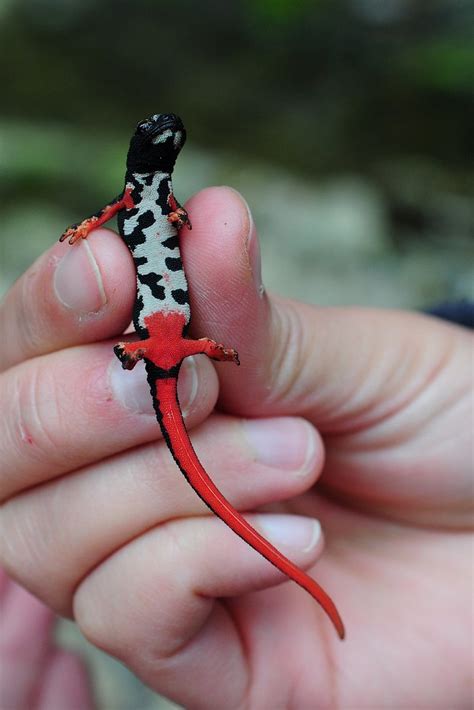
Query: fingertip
217	200
91	288
113	266
197	388
302	535
223	249
288	443
71	295
222	260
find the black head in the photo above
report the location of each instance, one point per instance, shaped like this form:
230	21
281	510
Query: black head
156	143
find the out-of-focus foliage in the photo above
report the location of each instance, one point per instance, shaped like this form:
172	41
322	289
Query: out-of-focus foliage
446	64
278	10
331	85
378	91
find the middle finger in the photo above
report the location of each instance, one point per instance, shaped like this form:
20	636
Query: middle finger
81	519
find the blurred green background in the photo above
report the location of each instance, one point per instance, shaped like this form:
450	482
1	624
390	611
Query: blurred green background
346	124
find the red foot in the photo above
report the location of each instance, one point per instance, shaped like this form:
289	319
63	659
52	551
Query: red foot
79	231
217	351
178	215
179	218
130	353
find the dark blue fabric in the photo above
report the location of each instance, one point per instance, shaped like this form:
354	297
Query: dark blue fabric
460	312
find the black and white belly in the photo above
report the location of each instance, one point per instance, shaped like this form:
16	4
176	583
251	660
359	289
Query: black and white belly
153	242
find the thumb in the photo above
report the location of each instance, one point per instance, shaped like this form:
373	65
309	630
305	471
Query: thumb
341	368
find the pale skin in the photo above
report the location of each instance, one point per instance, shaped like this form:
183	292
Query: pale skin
99	524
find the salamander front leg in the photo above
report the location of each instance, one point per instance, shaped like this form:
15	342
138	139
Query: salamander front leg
178	215
82	229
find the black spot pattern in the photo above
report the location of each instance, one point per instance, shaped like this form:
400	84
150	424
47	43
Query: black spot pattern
137	309
121	221
136	237
163	194
174	263
146	219
136	196
157	289
180	296
171	242
140	261
136	193
151	280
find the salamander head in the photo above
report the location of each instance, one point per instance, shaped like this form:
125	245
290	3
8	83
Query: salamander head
156	143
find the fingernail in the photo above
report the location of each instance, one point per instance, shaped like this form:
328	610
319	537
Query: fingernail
284	442
187	385
253	250
131	388
78	282
290	530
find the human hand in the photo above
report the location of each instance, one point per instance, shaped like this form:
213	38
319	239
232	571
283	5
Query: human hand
35	673
121	543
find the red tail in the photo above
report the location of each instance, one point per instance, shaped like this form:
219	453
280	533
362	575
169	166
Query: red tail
174	431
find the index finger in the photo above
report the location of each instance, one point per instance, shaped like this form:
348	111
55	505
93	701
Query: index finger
71	295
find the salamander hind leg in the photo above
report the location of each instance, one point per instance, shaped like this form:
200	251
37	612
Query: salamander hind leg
130	353
216	351
166	347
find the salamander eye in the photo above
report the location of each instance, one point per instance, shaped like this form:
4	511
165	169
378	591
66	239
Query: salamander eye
143	126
